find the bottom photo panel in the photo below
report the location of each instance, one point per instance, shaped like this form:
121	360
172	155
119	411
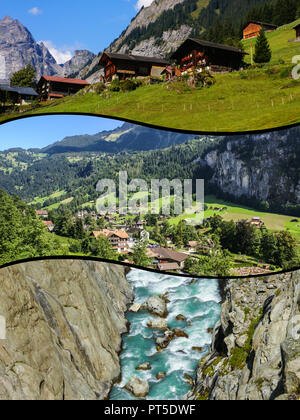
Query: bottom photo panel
74	329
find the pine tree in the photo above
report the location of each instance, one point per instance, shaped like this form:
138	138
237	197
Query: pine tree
263	53
25	77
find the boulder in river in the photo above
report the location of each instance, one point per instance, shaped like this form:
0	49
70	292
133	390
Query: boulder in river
137	387
181	318
180	333
144	366
158	324
161	375
163	342
157	306
136	307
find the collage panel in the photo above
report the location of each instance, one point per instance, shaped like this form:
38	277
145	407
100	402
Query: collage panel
150	203
98	331
222	67
204	205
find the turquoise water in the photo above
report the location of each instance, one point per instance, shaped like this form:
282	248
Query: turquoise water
199	303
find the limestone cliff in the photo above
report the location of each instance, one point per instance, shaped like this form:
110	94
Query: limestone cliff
262	166
64	325
255	353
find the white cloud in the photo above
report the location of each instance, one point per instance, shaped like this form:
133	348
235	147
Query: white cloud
142	3
61	54
35	11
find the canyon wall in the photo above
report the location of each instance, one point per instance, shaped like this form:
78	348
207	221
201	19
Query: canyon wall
255	353
64	325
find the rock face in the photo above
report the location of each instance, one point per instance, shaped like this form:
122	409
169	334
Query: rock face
64	324
81	59
146	16
255	353
18	49
261	166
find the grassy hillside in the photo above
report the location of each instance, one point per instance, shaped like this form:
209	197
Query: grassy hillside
274	222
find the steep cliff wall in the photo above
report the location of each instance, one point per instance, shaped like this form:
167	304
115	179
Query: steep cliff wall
263	166
256	346
64	325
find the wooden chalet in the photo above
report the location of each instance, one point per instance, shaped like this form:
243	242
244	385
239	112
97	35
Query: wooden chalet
297	29
124	66
20	95
200	54
254	27
52	87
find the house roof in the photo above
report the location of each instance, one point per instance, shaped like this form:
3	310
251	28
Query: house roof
171	255
134	58
20	90
209	44
108	233
168	267
65	80
48	223
270	25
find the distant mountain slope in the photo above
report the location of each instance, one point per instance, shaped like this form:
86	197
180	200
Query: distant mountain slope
80	60
129	137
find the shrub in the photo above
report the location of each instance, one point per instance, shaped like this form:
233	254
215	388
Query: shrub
99	88
128	85
115	86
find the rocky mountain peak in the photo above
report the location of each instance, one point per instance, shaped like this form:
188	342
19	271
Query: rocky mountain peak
18	49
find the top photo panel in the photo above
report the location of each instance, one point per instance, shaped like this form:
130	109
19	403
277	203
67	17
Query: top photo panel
202	66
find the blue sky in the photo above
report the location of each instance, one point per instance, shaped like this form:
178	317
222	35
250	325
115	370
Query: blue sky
67	25
39	132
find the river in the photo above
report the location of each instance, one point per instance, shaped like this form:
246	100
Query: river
197	300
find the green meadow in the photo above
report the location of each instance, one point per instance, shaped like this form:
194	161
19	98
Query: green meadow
274	222
253	99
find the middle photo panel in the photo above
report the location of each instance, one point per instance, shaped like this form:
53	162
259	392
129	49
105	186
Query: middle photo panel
200	205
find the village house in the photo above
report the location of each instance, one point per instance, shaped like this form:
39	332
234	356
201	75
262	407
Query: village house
119	239
254	27
20	95
169	260
52	87
257	222
42	214
49	225
122	66
192	246
199	54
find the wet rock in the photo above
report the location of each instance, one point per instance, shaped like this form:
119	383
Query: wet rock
179	333
163	342
137	387
157	306
161	375
158	324
144	366
189	379
210	330
136	307
199	349
181	318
